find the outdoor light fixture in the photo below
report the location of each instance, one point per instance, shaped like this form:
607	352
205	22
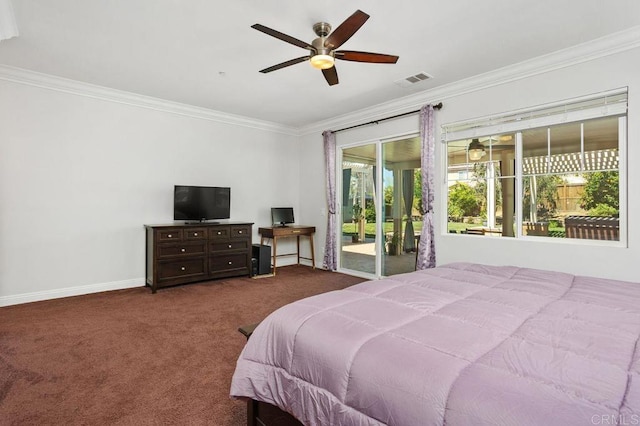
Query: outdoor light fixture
322	61
476	150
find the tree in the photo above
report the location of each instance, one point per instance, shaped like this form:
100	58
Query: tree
462	201
601	188
480	185
546	195
370	210
388	201
388	195
417	190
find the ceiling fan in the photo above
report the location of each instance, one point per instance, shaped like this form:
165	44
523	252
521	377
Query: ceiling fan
322	50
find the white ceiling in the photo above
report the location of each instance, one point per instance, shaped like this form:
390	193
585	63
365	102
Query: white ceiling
204	52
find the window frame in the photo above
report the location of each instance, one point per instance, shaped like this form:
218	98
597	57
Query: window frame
578	110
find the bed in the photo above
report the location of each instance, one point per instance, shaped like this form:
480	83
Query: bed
459	344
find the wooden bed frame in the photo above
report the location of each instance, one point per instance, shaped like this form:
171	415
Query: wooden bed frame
263	414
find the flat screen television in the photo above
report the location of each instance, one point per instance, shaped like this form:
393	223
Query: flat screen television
201	203
281	216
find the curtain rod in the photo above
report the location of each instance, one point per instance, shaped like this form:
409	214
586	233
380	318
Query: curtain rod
436	106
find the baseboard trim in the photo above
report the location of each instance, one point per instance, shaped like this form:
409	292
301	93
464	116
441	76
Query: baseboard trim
38	296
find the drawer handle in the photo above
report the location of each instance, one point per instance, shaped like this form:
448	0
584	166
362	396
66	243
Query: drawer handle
169	236
239	232
183	250
195	234
183	269
219	233
230	263
229	245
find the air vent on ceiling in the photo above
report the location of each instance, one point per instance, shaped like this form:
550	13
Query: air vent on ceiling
413	79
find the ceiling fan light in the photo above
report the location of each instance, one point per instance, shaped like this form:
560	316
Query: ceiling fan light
322	62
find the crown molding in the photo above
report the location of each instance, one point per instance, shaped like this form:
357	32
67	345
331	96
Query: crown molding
60	84
598	48
602	47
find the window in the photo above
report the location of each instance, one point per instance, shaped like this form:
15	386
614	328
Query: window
551	172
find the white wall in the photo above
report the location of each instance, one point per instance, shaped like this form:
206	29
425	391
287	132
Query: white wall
609	72
80	176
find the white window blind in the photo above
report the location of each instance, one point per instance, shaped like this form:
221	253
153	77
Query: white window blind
604	104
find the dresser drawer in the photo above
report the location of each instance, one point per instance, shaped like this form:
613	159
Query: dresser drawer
185	253
228	262
240	232
228	246
219	233
181	249
195	234
168	235
191	267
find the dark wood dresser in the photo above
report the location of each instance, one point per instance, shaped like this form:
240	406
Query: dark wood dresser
180	254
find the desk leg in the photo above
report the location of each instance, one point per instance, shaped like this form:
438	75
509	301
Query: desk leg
313	256
275	243
298	246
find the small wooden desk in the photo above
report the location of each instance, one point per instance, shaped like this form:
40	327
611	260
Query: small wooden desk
288	231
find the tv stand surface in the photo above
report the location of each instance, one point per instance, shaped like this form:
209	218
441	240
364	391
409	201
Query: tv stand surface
187	253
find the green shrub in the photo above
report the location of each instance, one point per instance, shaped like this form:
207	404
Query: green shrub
455	212
603	210
462	201
601	188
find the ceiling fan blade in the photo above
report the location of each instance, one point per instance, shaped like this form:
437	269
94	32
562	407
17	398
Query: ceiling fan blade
346	30
285	64
283	37
331	75
378	58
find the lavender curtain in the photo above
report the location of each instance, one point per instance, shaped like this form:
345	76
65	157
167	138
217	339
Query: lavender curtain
426	247
407	195
330	250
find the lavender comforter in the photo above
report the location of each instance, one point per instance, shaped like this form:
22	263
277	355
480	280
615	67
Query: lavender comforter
461	344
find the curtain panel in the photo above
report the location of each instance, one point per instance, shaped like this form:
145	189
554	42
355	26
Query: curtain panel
426	247
8	23
407	194
330	261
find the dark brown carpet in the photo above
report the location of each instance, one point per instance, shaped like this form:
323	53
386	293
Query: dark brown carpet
131	357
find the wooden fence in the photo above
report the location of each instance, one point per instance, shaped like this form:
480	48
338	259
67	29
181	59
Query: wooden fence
592	227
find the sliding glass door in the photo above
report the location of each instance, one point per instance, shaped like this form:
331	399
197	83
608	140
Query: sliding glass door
402	198
381	219
358	225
